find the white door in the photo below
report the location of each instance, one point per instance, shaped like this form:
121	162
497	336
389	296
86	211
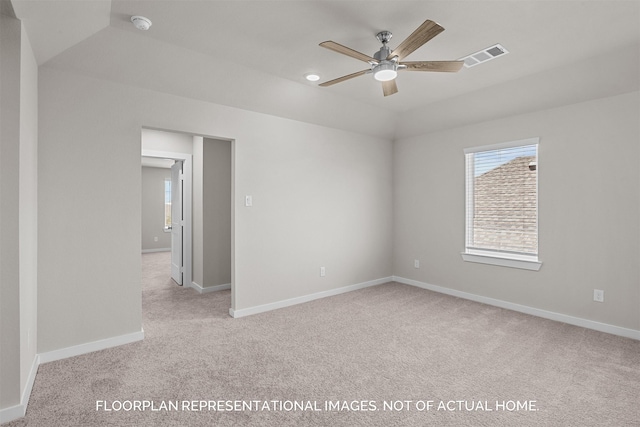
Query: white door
176	222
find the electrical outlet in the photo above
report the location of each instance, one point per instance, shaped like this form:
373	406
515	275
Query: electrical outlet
416	263
155	238
598	295
323	272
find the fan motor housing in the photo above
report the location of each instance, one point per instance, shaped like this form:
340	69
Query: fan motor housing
382	54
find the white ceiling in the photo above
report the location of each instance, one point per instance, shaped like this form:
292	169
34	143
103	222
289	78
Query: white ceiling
253	54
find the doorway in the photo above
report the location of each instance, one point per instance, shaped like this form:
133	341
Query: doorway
207	216
179	224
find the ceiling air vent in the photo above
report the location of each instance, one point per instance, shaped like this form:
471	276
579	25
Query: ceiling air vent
484	55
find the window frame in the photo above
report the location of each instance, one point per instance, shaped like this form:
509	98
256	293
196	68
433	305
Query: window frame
488	256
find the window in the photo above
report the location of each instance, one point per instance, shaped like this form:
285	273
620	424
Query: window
167	205
502	204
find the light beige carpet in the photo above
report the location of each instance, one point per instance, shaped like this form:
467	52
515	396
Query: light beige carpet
433	359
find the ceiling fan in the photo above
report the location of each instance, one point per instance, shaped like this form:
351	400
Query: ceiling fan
385	63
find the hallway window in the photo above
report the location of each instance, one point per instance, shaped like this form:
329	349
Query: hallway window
167	205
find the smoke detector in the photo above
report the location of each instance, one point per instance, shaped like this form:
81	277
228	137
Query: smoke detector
141	23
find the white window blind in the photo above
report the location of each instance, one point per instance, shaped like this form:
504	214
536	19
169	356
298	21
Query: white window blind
502	200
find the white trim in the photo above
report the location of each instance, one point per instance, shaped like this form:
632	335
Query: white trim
207	289
148	251
558	317
502	145
89	347
18	411
502	261
306	298
12	413
26	393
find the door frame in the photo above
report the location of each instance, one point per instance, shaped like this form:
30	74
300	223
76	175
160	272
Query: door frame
187	195
177	221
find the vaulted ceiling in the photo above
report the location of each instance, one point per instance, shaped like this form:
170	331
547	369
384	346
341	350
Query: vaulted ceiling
254	54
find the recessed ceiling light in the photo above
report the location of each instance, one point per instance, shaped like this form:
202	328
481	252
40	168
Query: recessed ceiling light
140	22
312	77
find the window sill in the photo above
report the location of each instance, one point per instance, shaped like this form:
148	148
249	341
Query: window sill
502	261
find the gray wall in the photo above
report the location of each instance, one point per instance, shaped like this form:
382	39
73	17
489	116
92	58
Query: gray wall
9	212
198	211
89	214
28	205
324	190
211	211
588	210
153	209
18	211
216	212
158	140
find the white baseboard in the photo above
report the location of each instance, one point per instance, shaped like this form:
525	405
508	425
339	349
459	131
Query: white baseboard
559	317
148	251
306	298
18	411
26	394
204	290
12	413
89	347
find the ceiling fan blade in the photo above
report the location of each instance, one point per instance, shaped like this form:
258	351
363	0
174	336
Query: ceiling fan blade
337	47
420	36
447	66
343	78
389	87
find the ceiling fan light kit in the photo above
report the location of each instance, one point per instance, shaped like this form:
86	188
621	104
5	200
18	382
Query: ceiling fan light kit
385	63
386	71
